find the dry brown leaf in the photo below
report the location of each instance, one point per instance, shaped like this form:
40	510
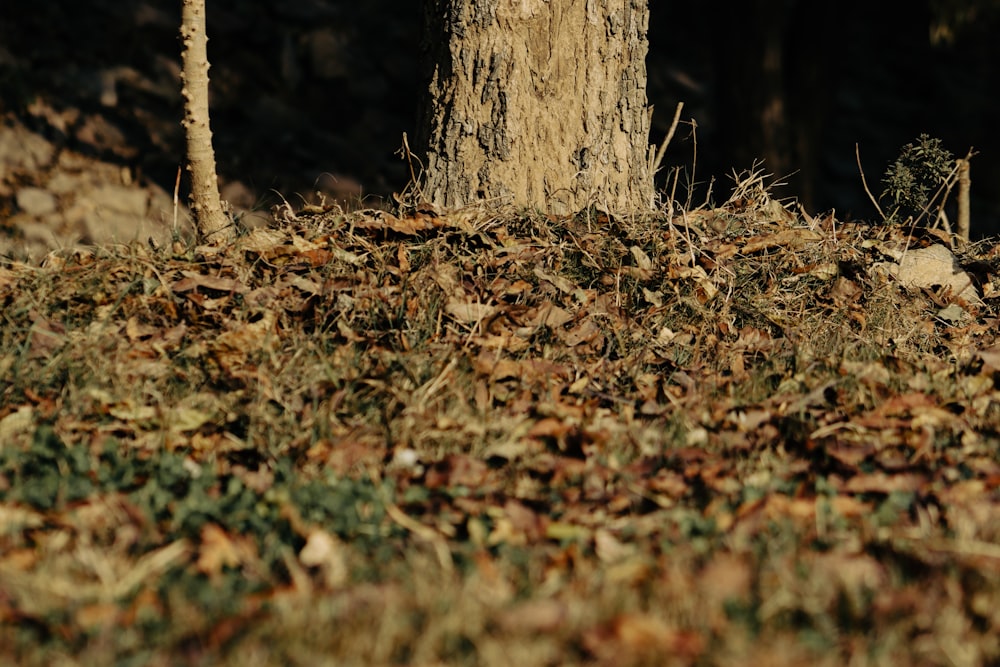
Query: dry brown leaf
550	315
136	330
490	585
403	258
233	348
263	240
21	422
990	357
219	550
98	615
609	549
880	482
383	221
585	332
47	336
550	427
780	506
849	506
727	577
787	238
850	453
668	482
636	636
470	312
562	284
545	615
525	519
193	280
457	470
750	420
642	260
855	574
18	560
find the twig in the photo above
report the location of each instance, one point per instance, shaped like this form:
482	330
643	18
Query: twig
944	191
940	195
694	166
945	188
964	185
409	157
177	187
673	192
684	214
864	182
666	140
414	185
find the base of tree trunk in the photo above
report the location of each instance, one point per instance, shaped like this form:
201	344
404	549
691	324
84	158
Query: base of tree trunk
539	104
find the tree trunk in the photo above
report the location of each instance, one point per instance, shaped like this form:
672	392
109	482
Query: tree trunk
209	218
537	103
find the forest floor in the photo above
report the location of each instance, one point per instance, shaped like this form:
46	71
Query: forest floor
738	435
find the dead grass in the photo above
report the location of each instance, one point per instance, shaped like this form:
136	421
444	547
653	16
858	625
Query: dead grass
495	438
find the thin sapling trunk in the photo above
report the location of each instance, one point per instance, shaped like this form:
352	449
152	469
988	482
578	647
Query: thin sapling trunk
212	224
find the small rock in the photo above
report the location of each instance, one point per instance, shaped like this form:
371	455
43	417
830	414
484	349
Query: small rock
63	183
121	199
40	234
953	314
238	195
936	265
162	216
120	214
102	135
36	202
22	149
114	213
245	204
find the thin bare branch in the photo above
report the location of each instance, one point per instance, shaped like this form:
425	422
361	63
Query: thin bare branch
864	182
666	140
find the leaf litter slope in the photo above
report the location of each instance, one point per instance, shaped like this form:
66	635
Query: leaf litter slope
484	438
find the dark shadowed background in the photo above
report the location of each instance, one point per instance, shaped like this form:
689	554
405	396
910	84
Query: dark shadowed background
314	96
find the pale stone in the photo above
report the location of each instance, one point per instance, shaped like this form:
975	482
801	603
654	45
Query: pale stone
933	266
119	214
22	149
36	201
114	213
63	183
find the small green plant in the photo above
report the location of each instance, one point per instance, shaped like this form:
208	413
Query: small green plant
914	180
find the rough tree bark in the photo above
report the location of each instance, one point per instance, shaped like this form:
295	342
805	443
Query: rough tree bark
210	221
537	103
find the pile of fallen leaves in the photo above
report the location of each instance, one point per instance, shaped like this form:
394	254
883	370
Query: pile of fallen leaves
726	436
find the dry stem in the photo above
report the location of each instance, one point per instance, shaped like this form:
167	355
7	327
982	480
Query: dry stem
670	135
864	182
